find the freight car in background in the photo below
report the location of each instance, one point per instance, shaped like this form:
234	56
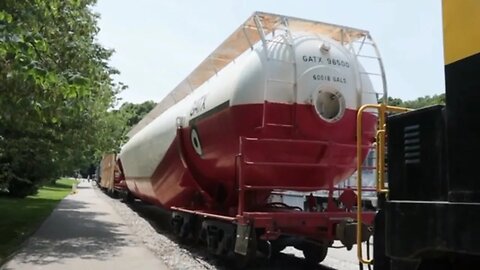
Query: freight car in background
273	108
110	177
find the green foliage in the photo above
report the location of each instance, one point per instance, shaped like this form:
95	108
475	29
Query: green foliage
22	216
133	113
117	124
55	92
425	101
419	102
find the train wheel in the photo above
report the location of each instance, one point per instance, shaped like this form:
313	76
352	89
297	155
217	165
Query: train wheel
197	233
314	254
276	249
244	261
128	197
270	250
111	193
181	226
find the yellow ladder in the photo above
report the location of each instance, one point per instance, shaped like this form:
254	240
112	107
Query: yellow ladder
381	109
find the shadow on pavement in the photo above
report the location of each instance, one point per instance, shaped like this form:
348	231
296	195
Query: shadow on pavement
72	231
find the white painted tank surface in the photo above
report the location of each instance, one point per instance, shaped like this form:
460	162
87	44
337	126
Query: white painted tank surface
297	85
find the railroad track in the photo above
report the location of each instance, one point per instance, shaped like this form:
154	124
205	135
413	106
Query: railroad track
159	220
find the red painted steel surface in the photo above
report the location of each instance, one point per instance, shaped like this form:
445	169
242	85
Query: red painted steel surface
295	149
119	178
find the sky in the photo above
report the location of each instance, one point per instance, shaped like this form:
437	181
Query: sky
158	43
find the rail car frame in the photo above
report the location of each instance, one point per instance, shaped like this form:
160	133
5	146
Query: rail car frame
312	232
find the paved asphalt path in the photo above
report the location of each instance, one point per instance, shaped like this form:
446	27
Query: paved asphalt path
85	233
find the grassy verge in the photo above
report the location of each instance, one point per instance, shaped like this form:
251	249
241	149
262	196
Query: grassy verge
20	217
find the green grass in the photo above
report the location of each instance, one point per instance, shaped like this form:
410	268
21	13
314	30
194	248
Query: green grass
21	217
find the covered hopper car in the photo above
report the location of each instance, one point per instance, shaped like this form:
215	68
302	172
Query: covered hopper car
273	108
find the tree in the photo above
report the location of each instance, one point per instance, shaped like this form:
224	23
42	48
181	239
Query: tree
419	102
55	91
135	112
425	101
394	101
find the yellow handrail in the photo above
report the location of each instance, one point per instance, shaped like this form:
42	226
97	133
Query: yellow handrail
380	162
380	174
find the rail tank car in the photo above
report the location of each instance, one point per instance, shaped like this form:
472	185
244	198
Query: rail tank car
274	107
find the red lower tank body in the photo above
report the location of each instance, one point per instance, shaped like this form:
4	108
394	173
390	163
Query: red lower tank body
199	169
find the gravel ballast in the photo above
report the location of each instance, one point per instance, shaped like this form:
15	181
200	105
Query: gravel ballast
151	225
161	244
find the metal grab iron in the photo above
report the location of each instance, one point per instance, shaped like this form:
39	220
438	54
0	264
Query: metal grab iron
382	109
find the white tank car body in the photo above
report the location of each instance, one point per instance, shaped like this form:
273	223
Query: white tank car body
298	68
